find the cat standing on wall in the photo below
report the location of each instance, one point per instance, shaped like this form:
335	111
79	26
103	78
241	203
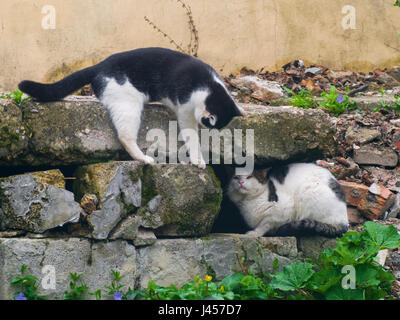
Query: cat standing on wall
126	81
294	199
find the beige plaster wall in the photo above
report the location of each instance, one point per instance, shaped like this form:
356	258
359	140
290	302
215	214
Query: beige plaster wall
232	34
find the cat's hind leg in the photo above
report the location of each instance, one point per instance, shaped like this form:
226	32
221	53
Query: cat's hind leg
125	105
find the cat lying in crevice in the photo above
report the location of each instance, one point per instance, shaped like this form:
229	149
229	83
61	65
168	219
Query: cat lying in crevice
126	81
295	199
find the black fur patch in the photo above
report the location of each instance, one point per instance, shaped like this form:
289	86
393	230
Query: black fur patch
309	227
261	175
279	173
272	197
337	189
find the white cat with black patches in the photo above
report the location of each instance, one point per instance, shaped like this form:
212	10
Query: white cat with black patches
300	198
126	81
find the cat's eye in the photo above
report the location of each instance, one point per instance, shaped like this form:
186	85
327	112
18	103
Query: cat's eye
249	177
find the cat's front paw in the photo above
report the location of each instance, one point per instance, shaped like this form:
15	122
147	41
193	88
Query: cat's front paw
147	160
254	233
200	163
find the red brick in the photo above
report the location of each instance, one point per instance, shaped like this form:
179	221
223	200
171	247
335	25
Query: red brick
372	206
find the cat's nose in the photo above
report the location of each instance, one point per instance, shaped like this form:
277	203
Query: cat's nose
241	183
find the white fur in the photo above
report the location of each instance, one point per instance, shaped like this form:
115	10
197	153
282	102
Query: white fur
218	80
189	116
125	105
305	194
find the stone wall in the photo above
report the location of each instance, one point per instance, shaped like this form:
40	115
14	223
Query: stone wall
150	222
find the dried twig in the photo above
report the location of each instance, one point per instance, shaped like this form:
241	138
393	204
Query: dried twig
193	45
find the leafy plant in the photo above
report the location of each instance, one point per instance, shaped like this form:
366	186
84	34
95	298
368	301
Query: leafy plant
27	284
335	102
17	97
304	99
76	292
115	288
388	107
97	294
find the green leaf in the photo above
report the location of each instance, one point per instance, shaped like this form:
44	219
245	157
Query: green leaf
293	276
247	281
367	275
338	293
324	279
348	251
275	265
232	282
16	281
229	295
30	277
23	268
382	237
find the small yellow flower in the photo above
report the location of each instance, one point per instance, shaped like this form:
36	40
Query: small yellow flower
222	289
208	278
200	281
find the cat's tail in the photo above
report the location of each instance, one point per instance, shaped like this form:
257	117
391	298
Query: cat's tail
307	227
58	90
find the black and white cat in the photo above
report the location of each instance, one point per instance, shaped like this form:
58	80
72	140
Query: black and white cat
126	81
299	198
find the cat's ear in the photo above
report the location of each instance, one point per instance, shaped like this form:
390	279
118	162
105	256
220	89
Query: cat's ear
261	175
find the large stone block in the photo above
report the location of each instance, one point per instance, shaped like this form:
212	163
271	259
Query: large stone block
79	131
167	261
118	188
173	200
14	135
36	202
93	260
287	133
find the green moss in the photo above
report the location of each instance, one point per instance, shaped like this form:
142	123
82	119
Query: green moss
136	175
128	208
213	176
93	178
8	137
34	211
51	177
149	190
